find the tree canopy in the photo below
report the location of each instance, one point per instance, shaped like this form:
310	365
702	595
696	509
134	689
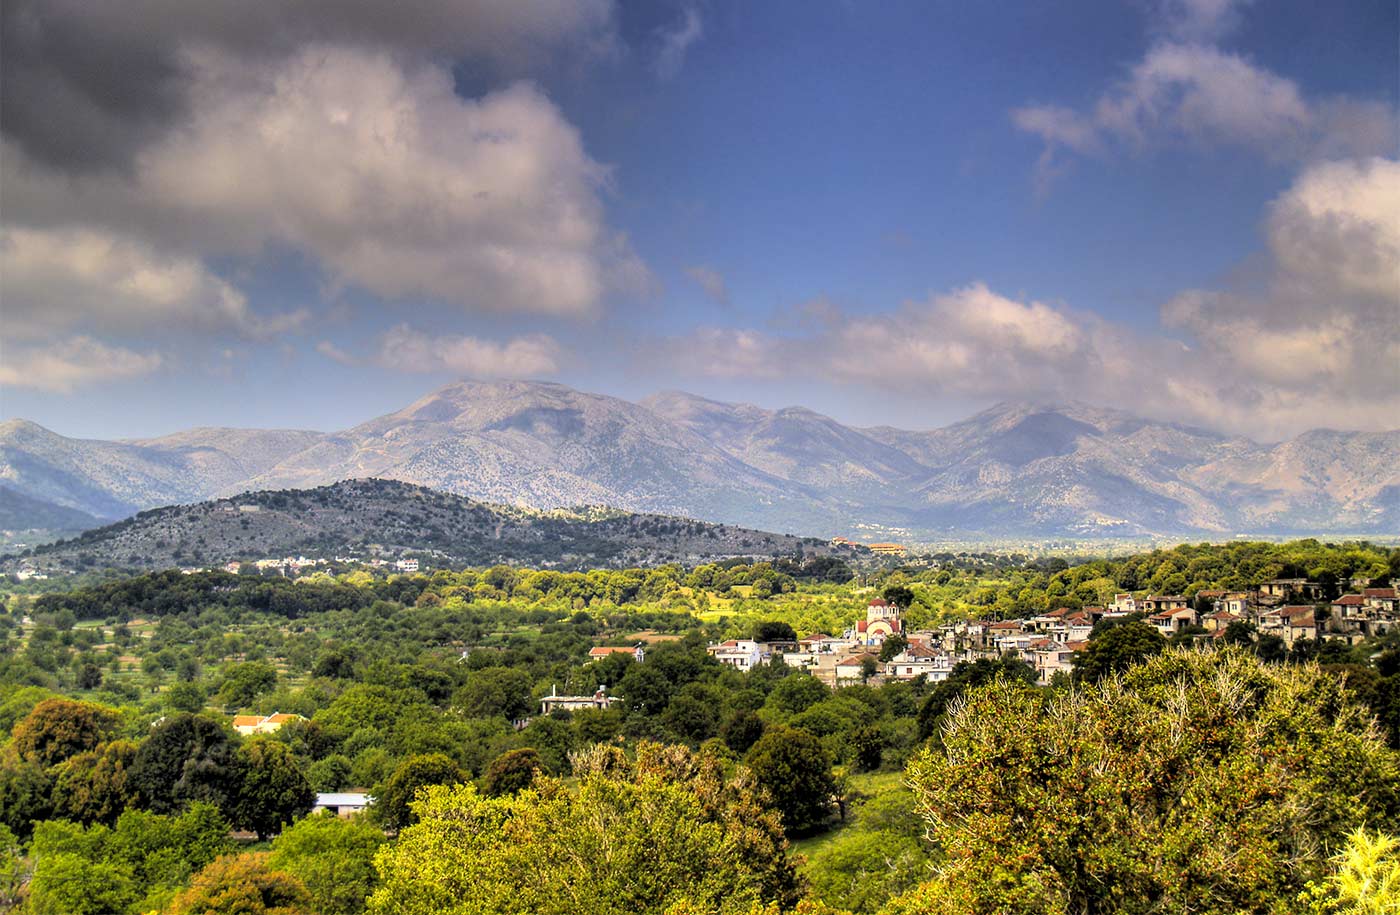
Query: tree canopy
1236	775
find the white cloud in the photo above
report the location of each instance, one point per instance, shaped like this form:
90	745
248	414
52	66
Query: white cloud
1197	20
1325	321
1316	343
710	280
1338	227
676	40
1198	93
382	174
56	279
405	349
73	363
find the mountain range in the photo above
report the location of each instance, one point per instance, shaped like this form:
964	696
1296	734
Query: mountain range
1014	470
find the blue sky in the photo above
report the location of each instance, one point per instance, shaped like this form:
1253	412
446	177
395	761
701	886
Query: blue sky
892	213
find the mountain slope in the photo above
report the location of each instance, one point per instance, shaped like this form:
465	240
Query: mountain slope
546	445
1013	470
370	518
113	479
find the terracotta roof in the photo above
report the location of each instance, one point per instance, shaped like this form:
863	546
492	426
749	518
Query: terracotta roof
879	602
246	721
1296	612
602	651
1378	592
1349	600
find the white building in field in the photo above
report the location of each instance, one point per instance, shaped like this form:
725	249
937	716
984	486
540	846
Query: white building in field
342	803
599	700
406	565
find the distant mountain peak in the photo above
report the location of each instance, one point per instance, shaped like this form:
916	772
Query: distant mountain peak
1017	468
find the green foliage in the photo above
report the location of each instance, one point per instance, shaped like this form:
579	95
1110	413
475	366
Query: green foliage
333	858
1235	774
892	646
91	787
243	885
186	758
243	683
774	631
394	800
13	870
1115	650
271	790
511	772
634	839
1366	880
59	728
125	868
495	691
24	794
794	768
967	675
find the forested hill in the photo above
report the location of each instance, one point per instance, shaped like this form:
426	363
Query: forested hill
368	519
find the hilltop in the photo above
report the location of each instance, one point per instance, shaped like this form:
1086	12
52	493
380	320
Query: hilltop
372	518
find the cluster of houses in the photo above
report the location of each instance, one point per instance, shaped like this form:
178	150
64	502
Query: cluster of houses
1048	641
298	564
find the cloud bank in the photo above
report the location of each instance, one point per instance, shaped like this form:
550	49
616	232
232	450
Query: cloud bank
1315	344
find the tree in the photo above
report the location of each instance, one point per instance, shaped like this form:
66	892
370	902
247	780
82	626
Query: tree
271	790
635	838
392	805
967	675
243	884
796	693
774	631
92	787
512	771
68	884
741	730
245	682
793	767
24	794
1366	881
186	697
495	691
186	758
59	728
13	871
1235	773
135	866
333	857
899	595
1116	650
892	645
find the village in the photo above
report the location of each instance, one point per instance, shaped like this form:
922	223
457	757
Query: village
1049	641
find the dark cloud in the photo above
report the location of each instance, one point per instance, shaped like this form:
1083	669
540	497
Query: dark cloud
85	85
81	93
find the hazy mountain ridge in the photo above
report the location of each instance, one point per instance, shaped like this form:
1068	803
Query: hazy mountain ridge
1012	470
368	519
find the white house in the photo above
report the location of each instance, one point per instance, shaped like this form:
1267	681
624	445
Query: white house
599	700
342	803
743	654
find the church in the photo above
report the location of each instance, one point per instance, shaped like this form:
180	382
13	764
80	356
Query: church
882	620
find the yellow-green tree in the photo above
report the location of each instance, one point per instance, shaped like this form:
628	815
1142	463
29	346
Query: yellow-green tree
1199	782
634	838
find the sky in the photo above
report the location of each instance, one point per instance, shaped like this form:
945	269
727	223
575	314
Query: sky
310	213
